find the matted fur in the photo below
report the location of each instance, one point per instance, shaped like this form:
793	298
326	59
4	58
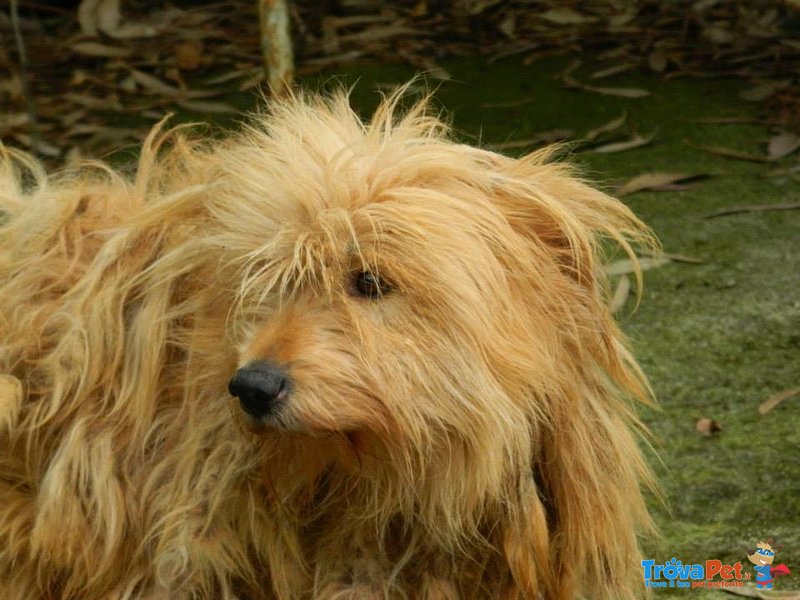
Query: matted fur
470	434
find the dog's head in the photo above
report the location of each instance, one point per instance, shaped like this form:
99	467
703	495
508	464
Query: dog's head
443	304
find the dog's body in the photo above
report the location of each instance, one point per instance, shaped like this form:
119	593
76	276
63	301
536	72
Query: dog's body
433	398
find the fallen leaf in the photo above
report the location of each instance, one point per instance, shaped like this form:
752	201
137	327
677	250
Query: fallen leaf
548	137
682	258
753	208
205	106
226	77
565	16
621	293
105	16
782	145
10	121
718	35
99	103
508	26
618	91
776	399
613	70
189	55
626	265
571	82
622	19
707	427
729	153
40	146
154	84
476	7
100	50
657	61
612	125
636	141
763	91
654	181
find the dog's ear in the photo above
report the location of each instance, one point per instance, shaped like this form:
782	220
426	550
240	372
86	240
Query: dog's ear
586	458
548	203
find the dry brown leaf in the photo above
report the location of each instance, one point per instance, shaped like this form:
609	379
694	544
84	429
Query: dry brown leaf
10	121
653	181
782	145
189	55
476	7
657	61
621	293
508	26
622	19
565	16
617	91
612	125
637	141
734	210
718	34
98	103
763	91
571	82
553	135
206	106
377	33
613	70
626	265
42	147
728	153
776	399
237	74
154	84
707	427
105	16
100	50
682	258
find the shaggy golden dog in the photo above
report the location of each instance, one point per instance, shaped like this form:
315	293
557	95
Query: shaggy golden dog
319	359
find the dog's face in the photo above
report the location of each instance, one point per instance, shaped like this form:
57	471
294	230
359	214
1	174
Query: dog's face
432	296
390	312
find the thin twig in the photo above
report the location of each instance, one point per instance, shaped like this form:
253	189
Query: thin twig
23	74
733	210
276	45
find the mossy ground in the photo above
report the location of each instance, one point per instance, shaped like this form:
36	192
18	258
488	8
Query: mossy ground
716	338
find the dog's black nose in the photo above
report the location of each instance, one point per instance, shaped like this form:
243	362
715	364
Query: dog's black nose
261	387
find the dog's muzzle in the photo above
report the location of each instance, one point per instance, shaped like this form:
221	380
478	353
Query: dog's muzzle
261	387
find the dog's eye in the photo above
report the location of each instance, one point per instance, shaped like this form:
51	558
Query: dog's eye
369	285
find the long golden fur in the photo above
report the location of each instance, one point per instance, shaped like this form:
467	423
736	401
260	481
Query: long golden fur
467	433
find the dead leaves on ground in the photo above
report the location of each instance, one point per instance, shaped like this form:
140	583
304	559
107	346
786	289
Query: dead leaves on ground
635	141
97	48
658	182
